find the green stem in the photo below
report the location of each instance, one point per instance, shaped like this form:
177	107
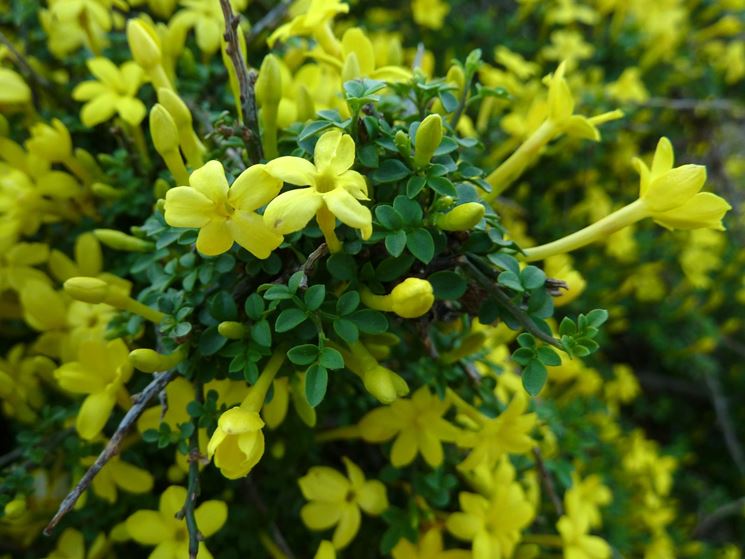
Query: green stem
188	510
599	230
255	399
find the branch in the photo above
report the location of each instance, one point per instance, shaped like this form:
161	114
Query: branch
548	481
706	523
246	81
269	21
111	449
310	264
721	408
279	539
187	511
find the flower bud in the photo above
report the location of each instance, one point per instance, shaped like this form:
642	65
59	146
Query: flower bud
378	382
88	290
15	508
121	241
150	361
412	298
461	218
175	107
237	444
428	139
103	190
351	69
163	130
52	143
403	142
231	330
269	83
144	43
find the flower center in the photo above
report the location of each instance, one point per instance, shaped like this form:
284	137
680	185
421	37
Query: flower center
226	210
325	182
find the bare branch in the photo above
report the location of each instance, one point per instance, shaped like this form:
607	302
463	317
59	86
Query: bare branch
112	448
188	510
721	407
707	522
548	481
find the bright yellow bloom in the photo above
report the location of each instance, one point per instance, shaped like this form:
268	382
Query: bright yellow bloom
118	474
162	529
430	13
316	22
71	545
493	524
578	544
325	551
429	546
509	432
238	442
333	190
71	24
16	265
336	500
671	195
13	89
411	298
114	93
101	371
225	214
584	498
417	424
206	18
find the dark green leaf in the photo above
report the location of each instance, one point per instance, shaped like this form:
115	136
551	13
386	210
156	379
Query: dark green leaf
342	266
532	277
261	333
346	330
442	186
510	280
388	217
370	321
448	285
331	359
395	243
210	342
534	377
348	302
316	381
304	354
421	245
288	319
254	306
314	296
414	186
390	170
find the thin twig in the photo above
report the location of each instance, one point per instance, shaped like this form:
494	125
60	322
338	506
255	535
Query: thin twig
548	481
246	82
706	523
187	511
721	408
311	261
23	64
112	447
277	536
269	22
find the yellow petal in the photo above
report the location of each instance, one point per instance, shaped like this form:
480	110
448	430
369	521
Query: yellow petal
93	414
237	420
334	152
12	87
98	110
131	110
580	127
291	211
372	497
674	188
107	72
210	180
349	525
275	411
379	425
209	33
704	210
71	544
147	527
347	208
170	549
251	232
325	551
664	158
431	448
404	448
214	238
320	516
354	183
88	255
294	170
355	40
463	526
253	188
322	483
171	501
131	478
88	90
211	516
187	207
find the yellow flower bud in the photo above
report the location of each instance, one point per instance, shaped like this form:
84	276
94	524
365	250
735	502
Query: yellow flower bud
461	218
237	444
103	190
88	290
304	104
269	83
403	142
144	44
175	107
231	330
378	382
412	298
351	69
150	361
15	508
163	130
428	139
52	143
121	241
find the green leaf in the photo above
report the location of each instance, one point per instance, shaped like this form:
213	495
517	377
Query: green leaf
534	377
597	317
414	186
331	358
288	319
295	280
222	306
312	128
548	356
388	217
304	354
395	243
370	321
390	170
347	303
532	277
505	261
342	266
261	333
316	381
346	330
421	245
314	296
210	342
442	186
448	285
510	280
410	211
449	101
368	156
523	355
526	340
393	267
277	292
254	306
567	327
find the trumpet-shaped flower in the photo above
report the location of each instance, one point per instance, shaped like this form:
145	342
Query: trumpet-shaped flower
336	500
223	214
671	195
101	371
114	93
167	533
417	424
333	189
238	442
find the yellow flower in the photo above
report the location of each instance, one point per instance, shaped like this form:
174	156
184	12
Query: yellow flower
416	423
225	214
671	195
71	545
316	22
13	89
333	190
119	474
114	93
584	498
162	529
429	546
16	265
578	544
509	432
206	18
336	500
101	371
493	524
430	13
238	442
325	551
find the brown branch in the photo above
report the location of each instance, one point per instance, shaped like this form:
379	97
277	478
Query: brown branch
311	261
188	510
548	481
721	408
112	448
269	22
246	82
706	523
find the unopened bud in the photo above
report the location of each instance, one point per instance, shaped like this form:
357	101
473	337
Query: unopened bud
428	139
121	241
351	69
231	330
163	130
461	218
269	82
412	298
403	143
175	107
378	382
103	190
144	44
15	508
150	361
88	290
